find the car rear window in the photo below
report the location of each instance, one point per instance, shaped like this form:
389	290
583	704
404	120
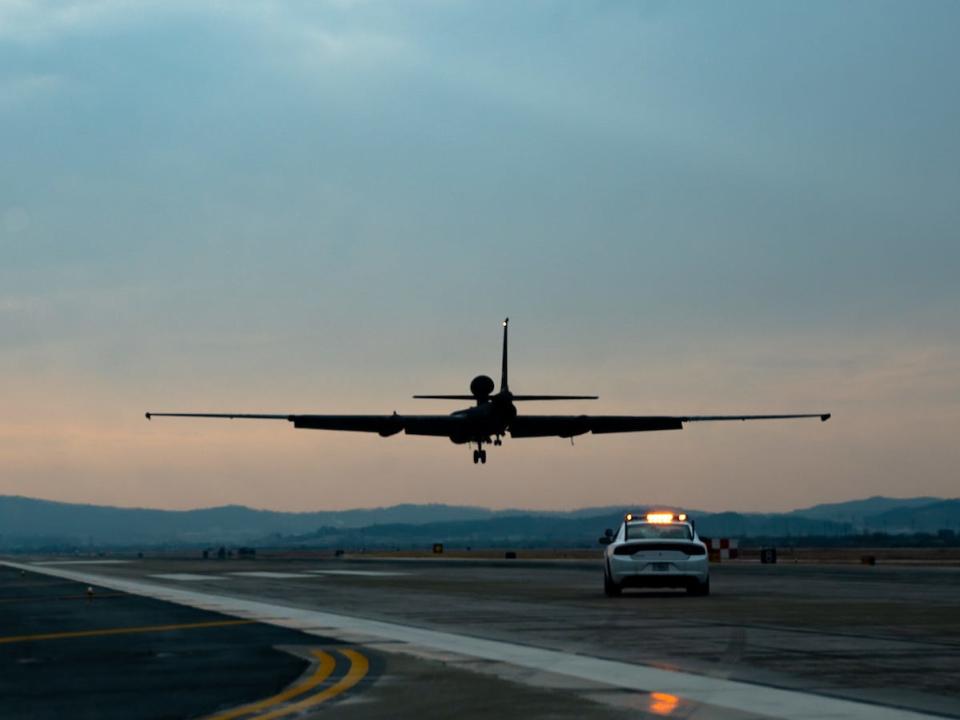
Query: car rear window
658	531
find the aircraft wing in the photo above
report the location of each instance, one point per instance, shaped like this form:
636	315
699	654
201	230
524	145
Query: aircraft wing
384	425
570	425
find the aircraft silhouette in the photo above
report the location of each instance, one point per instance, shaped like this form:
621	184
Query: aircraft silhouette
493	416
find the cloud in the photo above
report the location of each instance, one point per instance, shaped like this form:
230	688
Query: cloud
335	31
36	21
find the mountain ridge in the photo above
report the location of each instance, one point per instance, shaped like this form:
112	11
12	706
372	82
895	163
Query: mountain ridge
28	523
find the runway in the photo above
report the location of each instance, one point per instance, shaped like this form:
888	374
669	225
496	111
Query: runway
537	638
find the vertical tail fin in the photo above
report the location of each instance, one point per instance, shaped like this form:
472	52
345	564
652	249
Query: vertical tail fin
504	386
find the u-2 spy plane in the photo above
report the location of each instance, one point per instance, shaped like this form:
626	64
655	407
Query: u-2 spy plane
493	416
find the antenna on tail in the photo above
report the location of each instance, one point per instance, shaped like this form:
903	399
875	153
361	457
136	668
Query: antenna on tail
504	387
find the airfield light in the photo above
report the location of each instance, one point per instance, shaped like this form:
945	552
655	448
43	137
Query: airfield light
660	517
629	517
682	517
662	703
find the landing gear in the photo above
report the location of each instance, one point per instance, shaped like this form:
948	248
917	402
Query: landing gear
480	455
498	441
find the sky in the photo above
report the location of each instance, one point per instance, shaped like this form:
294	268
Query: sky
329	206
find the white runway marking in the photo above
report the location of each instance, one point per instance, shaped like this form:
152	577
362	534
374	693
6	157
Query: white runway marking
187	576
363	573
272	575
734	695
82	562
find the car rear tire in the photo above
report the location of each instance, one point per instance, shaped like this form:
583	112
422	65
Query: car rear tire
610	588
700	589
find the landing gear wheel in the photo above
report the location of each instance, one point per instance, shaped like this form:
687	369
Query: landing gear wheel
610	588
476	456
483	457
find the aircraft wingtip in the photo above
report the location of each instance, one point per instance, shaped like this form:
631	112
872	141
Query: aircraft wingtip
825	417
147	415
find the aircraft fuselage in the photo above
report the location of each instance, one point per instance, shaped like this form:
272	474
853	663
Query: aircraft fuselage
489	418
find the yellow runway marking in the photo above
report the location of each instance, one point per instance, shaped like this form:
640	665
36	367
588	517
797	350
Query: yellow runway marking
121	631
325	667
359	667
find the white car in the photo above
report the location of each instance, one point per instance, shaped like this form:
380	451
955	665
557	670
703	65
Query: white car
657	550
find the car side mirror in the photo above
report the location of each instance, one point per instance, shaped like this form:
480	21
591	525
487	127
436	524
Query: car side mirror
608	533
605	540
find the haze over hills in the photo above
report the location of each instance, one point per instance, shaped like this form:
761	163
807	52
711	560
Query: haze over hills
27	523
856	511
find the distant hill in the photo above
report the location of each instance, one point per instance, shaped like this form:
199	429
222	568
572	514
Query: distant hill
27	524
731	524
857	511
534	530
29	521
939	514
504	531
